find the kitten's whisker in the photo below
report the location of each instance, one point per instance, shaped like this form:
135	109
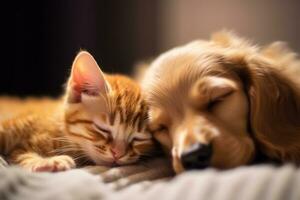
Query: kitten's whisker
85	161
66	149
77	157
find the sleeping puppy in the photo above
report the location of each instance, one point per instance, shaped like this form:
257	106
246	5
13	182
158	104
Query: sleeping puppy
220	102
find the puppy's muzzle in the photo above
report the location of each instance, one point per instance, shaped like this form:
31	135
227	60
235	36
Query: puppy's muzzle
198	156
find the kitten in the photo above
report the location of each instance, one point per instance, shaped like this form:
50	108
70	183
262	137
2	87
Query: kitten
101	118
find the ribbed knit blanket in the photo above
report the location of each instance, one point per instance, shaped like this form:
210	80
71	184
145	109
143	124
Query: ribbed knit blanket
244	183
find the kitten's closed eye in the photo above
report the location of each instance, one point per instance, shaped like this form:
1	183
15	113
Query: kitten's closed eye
137	139
102	130
141	137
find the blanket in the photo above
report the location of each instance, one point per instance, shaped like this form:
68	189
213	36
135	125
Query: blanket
96	183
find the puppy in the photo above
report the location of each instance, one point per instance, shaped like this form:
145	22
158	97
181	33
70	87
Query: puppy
220	102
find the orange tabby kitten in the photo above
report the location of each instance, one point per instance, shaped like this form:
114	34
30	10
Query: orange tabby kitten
101	118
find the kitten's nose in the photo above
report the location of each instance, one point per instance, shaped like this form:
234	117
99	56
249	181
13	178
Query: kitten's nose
198	156
116	153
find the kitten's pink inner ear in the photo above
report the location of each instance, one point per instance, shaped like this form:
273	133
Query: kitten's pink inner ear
86	75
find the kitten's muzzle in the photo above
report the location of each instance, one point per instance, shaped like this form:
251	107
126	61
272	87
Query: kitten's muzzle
198	156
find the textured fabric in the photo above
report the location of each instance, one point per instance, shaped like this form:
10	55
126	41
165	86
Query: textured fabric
3	163
247	183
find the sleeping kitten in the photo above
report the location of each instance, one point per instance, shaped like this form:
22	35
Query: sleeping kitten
101	118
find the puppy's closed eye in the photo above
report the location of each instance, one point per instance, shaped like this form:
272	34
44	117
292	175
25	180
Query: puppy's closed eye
218	95
158	128
209	91
160	133
213	103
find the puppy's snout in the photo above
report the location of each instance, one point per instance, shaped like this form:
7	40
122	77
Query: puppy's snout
198	156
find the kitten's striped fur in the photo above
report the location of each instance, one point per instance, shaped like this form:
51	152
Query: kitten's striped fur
101	118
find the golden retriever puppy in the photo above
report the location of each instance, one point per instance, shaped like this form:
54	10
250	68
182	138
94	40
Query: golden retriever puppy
220	102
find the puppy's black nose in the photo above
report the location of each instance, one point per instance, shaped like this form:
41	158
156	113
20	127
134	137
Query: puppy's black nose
197	156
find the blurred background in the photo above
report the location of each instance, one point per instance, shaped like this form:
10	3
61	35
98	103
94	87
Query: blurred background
43	37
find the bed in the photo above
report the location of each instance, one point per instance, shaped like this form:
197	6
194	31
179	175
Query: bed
143	181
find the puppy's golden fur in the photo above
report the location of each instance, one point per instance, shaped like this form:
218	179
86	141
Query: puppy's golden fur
227	92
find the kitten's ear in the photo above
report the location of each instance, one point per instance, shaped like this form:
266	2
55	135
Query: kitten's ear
86	78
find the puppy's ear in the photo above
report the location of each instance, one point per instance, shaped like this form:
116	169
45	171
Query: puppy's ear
274	110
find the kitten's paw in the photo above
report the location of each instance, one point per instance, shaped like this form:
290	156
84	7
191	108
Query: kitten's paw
53	164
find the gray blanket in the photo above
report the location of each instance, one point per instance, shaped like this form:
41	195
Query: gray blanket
254	182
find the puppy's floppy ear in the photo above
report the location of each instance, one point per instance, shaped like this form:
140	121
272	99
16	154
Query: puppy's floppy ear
274	110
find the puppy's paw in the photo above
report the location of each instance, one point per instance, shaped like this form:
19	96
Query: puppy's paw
51	164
